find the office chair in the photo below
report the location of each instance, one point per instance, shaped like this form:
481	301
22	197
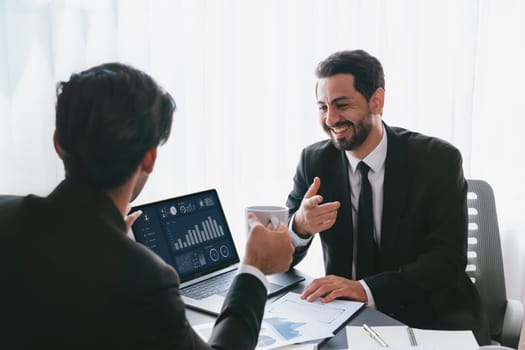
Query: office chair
485	265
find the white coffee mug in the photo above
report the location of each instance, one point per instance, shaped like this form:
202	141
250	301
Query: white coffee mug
268	214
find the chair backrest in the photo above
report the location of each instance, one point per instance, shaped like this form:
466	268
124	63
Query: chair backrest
485	261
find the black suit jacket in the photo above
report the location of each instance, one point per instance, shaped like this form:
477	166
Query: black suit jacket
71	279
422	282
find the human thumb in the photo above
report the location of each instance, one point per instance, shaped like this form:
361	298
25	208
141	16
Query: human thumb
314	187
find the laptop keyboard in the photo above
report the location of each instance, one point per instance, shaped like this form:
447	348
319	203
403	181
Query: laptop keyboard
218	285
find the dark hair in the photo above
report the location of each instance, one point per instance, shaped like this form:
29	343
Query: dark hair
107	118
366	69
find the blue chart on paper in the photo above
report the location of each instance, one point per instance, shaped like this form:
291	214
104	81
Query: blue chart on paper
286	329
265	340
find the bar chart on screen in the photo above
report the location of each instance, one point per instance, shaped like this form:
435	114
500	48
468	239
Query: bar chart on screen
207	230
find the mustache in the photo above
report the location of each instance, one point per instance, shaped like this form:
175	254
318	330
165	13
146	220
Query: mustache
339	124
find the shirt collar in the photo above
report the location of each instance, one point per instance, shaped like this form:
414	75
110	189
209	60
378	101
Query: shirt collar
375	159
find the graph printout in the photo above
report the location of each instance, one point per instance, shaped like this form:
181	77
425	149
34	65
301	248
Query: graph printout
331	315
291	320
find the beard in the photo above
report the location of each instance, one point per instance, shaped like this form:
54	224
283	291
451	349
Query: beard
361	132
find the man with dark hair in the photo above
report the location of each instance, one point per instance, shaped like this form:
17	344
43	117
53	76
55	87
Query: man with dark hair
389	205
71	278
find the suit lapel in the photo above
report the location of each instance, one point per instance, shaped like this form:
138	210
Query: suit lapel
331	180
345	201
395	191
338	240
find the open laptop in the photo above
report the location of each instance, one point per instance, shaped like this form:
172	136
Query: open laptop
191	234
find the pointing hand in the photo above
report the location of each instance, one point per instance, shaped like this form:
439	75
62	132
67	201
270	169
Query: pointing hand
312	216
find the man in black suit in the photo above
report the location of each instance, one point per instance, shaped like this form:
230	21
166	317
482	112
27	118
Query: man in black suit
403	248
71	279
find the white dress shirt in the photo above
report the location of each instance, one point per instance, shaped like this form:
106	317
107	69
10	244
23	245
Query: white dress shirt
252	270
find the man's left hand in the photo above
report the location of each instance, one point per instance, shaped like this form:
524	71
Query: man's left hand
332	287
129	219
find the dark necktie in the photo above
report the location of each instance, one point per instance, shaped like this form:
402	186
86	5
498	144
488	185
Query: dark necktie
367	251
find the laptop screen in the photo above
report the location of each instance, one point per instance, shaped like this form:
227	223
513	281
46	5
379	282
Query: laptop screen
190	233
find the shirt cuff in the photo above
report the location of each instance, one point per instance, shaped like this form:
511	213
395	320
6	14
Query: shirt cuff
252	270
370	298
296	240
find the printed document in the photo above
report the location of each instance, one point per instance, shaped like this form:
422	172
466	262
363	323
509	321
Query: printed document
291	320
330	316
397	338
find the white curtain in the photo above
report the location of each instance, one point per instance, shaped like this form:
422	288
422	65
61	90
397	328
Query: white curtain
241	72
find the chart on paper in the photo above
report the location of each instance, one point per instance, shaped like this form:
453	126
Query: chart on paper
322	313
331	315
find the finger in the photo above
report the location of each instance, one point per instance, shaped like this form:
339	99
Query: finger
325	215
330	206
326	221
319	293
314	187
130	219
312	287
312	202
325	225
329	210
331	296
253	220
306	294
307	291
282	229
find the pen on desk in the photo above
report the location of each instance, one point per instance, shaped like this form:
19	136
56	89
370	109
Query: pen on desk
411	336
375	336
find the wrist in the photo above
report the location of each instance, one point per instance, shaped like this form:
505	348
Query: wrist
297	227
303	235
250	261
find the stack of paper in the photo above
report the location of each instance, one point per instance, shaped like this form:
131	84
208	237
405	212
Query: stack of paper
292	320
397	338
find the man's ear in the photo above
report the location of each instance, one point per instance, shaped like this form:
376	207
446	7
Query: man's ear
148	162
58	150
377	101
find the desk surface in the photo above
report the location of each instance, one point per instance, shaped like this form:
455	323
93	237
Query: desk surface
366	315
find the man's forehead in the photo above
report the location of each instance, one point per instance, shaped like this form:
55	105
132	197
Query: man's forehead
327	100
335	87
